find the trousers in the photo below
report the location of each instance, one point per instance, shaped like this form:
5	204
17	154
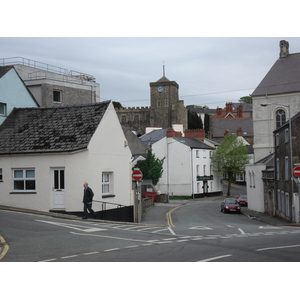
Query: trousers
88	207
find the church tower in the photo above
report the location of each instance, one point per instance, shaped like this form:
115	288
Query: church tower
166	108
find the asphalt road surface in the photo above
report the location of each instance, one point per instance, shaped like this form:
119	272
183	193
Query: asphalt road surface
194	231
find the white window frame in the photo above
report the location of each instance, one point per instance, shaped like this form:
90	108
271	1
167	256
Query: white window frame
25	179
106	183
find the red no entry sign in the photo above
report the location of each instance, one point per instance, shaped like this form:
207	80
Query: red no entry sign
297	171
138	175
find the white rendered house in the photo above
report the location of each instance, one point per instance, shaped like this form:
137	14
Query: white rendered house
187	168
46	154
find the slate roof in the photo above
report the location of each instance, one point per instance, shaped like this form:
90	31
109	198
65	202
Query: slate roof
220	125
192	143
153	136
283	77
50	129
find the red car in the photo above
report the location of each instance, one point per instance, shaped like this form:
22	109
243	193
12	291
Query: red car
230	205
243	200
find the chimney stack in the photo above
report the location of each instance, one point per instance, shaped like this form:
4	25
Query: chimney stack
195	133
228	107
239	132
284	49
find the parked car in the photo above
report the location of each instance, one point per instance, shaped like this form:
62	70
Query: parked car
243	200
230	205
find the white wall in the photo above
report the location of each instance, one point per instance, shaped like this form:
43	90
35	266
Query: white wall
14	93
180	172
106	153
255	187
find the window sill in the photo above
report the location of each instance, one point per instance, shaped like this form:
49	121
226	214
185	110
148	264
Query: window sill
108	196
23	192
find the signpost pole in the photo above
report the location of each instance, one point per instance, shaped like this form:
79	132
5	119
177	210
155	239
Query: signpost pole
137	175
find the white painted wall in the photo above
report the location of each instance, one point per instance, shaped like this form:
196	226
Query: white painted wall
255	187
180	171
14	93
106	153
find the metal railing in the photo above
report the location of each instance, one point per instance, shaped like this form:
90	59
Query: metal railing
42	66
32	63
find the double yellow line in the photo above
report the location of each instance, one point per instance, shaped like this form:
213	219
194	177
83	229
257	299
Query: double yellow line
169	217
5	247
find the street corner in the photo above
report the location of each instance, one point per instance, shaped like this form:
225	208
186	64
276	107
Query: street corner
3	247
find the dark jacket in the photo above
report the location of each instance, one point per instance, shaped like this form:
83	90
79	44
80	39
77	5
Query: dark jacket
88	195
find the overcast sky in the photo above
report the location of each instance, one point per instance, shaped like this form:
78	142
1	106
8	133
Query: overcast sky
209	71
219	57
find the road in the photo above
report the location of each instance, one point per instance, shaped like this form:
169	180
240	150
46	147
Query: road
196	231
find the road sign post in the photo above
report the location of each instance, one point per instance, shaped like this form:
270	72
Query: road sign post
297	171
137	176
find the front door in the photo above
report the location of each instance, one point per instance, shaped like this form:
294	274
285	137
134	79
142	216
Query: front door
58	188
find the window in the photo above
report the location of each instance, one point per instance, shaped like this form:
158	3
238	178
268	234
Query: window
204	170
286	168
287	204
57	96
286	135
277	139
1	177
106	183
279	199
280	118
2	109
277	169
197	153
24	180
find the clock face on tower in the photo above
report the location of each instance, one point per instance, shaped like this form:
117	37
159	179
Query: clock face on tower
160	89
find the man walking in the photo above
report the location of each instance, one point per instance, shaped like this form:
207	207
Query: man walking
87	201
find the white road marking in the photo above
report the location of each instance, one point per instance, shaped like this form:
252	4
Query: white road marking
76	227
70	256
91	253
215	258
201	228
241	231
269	227
170	229
113	249
280	247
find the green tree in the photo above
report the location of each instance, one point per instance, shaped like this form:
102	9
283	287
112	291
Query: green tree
230	158
117	104
246	99
207	123
194	121
151	167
